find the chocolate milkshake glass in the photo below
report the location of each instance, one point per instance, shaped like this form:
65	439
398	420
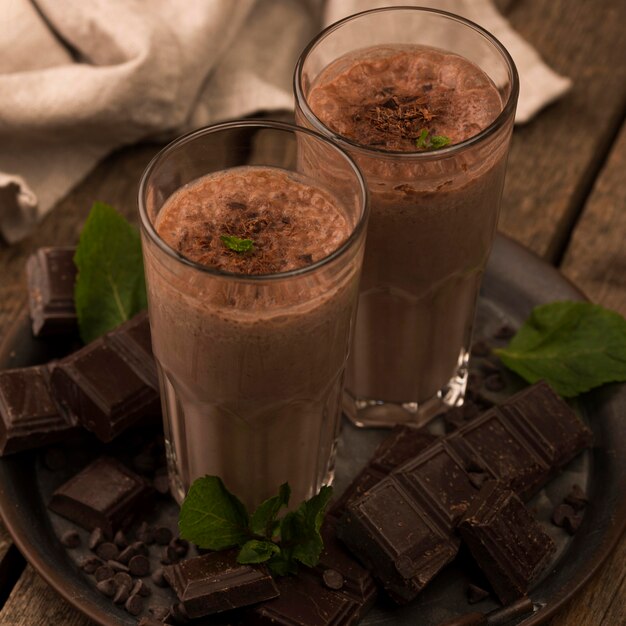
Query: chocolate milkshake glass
252	265
424	101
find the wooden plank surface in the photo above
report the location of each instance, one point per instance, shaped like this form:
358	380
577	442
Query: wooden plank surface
555	157
596	256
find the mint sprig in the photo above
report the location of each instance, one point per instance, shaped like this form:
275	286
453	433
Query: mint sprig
110	286
425	142
575	346
213	518
237	244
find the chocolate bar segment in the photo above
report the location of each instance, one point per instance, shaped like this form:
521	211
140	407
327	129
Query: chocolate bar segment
51	274
215	582
508	544
105	495
112	382
29	416
304	601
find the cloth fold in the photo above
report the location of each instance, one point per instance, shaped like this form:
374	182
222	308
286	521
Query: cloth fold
79	79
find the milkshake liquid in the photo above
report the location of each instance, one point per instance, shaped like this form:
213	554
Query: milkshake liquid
252	370
432	217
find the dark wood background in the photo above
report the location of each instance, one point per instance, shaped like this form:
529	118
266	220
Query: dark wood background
564	198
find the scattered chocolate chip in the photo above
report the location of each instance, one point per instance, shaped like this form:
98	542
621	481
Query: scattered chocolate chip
142	589
494	382
576	498
170	556
145	534
89	564
108	551
564	516
139	565
161	484
70	539
107	587
159	612
121	595
96	538
158	578
123	579
134	605
116	566
181	546
54	459
103	573
163	535
504	332
333	579
476	594
139	547
120	540
127	554
480	349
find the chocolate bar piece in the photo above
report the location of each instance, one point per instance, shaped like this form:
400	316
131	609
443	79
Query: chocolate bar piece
51	274
104	495
215	582
29	416
508	544
340	571
304	601
402	444
402	528
112	382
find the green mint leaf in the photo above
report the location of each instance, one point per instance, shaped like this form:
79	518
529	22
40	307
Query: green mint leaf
263	520
110	286
575	346
236	244
255	551
438	141
421	141
282	564
212	517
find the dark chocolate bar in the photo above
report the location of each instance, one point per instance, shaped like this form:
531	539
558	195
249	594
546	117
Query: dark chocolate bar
414	510
508	544
112	382
304	601
402	444
29	416
51	274
215	582
106	495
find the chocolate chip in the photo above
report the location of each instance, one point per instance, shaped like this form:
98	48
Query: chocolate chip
576	498
158	579
70	539
116	566
89	564
145	534
108	551
159	612
104	572
476	594
142	589
139	547
333	579
494	382
480	349
127	554
170	556
181	546
573	522
139	565
163	535
504	332
561	514
120	540
134	605
123	579
121	595
54	459
107	587
96	538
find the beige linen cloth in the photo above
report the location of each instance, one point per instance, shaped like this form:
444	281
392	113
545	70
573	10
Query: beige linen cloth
79	78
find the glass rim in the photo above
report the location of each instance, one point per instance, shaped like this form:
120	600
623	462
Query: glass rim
150	230
349	145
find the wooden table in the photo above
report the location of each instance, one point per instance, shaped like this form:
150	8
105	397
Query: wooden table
565	198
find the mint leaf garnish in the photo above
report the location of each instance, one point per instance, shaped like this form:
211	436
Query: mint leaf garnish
420	142
439	141
212	517
431	143
110	286
575	346
262	520
255	551
236	244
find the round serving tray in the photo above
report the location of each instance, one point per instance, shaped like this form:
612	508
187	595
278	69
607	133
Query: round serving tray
515	281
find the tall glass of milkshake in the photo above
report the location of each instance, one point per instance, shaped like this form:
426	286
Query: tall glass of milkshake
252	266
424	101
